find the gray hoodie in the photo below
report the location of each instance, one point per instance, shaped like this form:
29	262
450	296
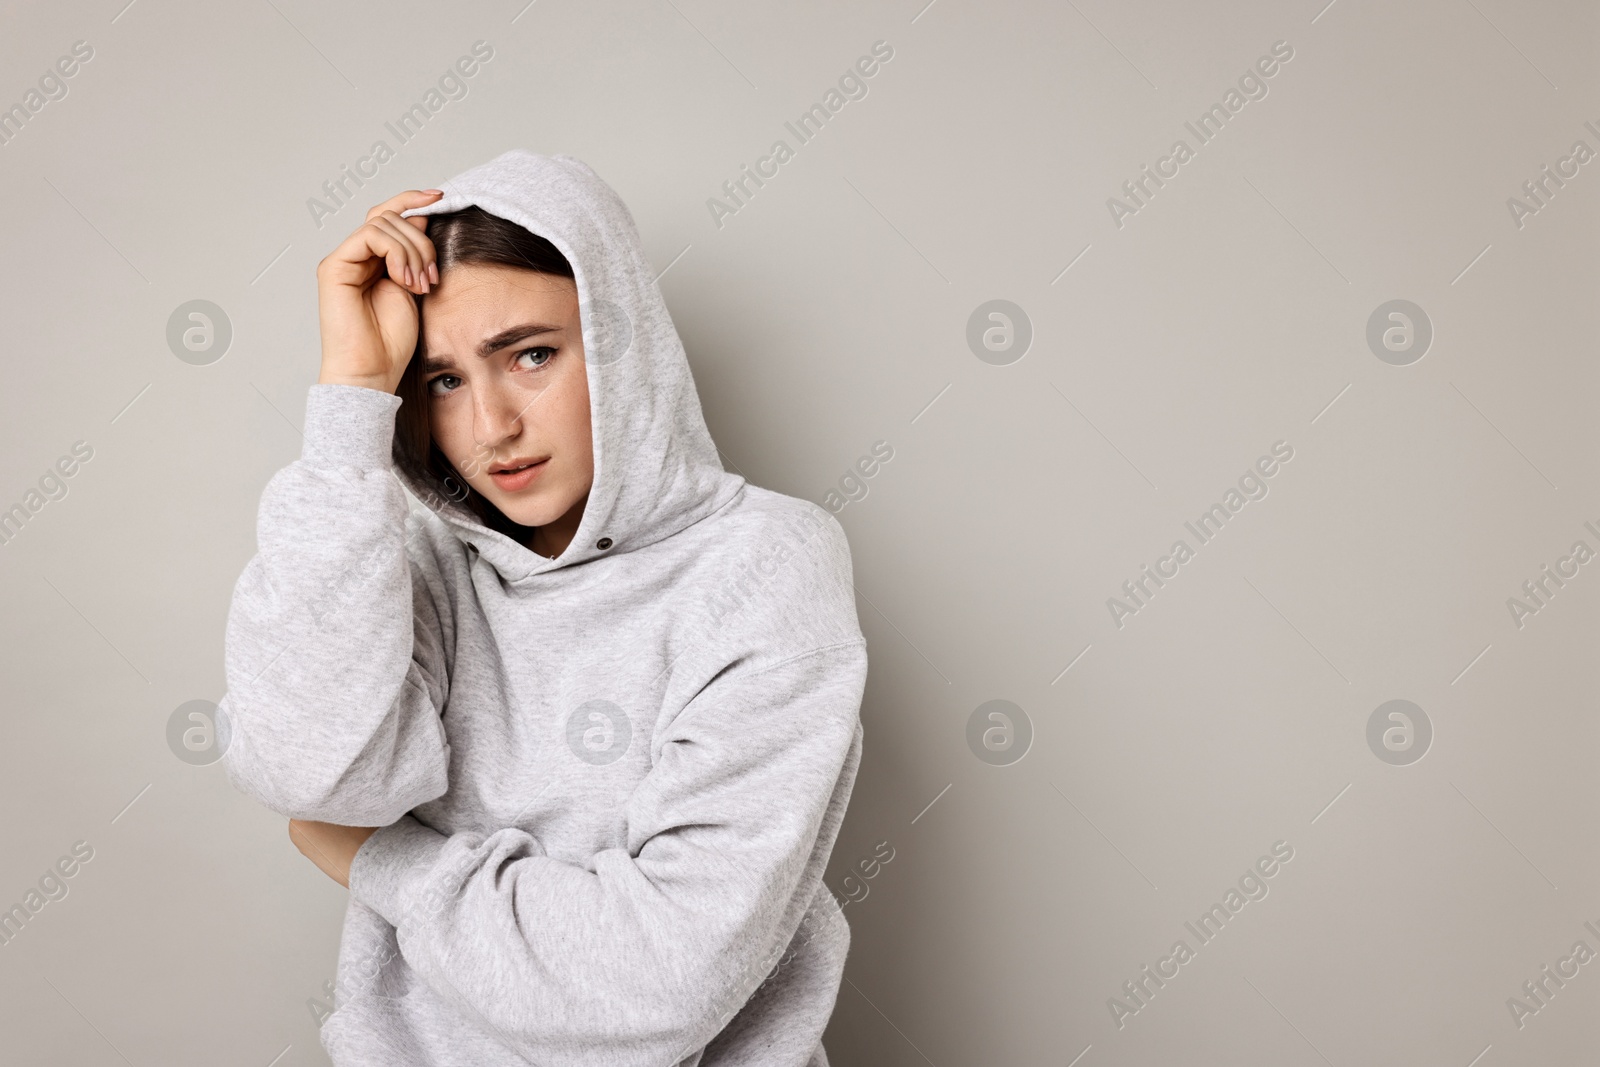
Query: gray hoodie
610	781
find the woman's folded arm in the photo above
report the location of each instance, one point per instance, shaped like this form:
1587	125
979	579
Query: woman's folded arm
335	658
645	957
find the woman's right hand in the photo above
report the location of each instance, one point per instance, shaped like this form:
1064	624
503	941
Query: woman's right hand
366	291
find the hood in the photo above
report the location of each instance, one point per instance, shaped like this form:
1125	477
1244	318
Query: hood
656	469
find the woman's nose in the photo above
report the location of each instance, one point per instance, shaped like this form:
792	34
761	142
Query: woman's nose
499	412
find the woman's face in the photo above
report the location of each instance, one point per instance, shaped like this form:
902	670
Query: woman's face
503	368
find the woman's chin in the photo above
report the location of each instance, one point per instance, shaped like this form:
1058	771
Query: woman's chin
526	508
523	512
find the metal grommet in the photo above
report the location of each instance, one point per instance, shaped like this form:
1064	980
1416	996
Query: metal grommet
603	543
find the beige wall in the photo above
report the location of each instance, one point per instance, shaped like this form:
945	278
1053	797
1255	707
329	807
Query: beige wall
998	904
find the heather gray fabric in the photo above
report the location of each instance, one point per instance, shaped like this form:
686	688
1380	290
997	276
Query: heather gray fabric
609	782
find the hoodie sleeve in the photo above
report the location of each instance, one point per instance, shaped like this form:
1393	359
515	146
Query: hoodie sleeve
334	650
645	957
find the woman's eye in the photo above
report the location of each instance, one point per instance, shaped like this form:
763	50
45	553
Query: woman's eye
434	385
551	354
539	357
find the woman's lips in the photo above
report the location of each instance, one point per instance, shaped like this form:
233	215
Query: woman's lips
511	481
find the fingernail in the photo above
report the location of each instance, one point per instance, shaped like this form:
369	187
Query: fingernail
439	192
409	280
433	272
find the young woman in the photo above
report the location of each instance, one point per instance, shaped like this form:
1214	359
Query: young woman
579	730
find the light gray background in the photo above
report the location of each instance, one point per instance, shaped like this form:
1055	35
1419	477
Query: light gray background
830	313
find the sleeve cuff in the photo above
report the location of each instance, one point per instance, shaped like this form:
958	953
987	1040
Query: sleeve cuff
392	864
349	426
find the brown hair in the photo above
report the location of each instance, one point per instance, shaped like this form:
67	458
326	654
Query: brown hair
471	235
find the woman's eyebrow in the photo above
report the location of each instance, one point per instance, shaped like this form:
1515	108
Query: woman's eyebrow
489	346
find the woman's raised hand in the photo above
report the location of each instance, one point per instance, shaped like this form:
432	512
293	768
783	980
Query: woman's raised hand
365	294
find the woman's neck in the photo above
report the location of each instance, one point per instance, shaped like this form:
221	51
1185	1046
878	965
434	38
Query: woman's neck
552	539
